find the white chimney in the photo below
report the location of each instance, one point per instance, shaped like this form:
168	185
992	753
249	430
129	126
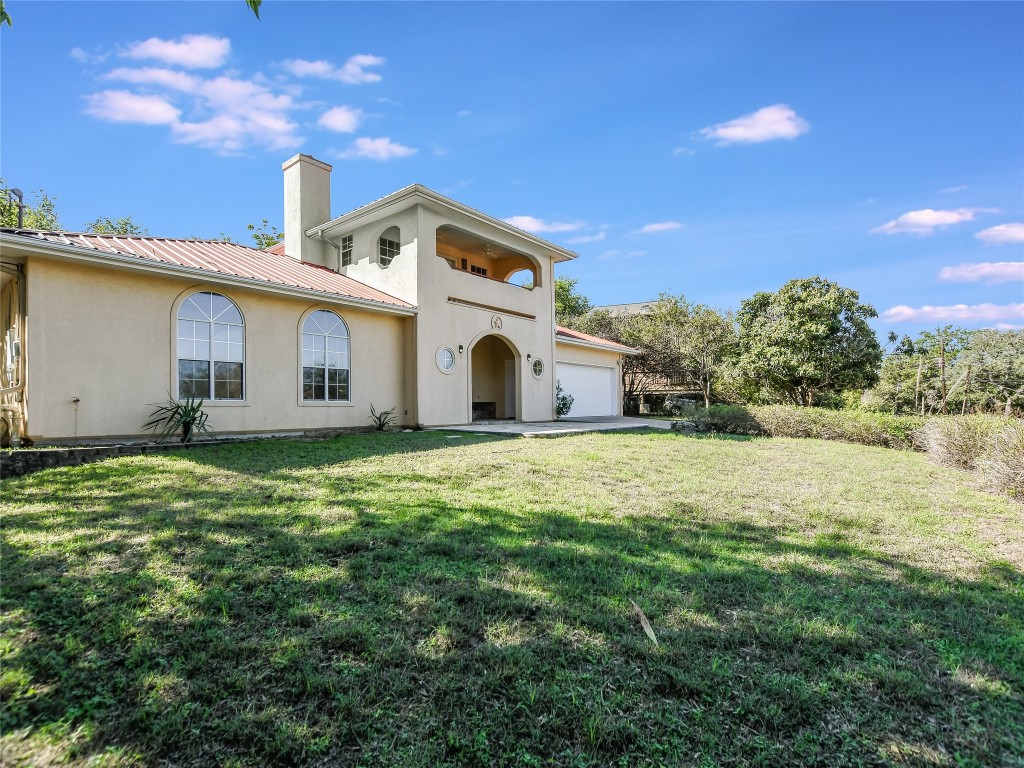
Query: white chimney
307	204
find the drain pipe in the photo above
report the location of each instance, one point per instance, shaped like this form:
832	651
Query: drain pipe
337	248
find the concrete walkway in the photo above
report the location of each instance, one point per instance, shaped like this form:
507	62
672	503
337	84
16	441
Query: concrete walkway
567	426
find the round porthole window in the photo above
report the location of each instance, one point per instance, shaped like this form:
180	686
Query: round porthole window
445	360
538	368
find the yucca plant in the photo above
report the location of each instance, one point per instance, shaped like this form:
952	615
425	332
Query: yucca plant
186	417
381	421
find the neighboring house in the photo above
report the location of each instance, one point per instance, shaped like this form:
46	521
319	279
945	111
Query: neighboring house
406	303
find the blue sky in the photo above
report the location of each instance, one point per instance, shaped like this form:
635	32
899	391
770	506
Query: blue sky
713	150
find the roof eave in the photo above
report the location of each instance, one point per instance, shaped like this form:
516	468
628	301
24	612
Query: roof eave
592	345
74	253
428	195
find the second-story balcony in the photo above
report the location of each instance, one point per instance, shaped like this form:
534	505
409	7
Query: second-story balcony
465	252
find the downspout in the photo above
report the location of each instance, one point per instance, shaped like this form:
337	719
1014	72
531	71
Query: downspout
337	248
18	410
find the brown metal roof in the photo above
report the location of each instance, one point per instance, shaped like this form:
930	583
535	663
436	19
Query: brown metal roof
567	334
219	257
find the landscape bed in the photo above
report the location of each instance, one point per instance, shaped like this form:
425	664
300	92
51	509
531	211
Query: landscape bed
428	599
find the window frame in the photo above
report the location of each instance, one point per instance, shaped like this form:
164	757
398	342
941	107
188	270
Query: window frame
346	250
211	376
300	378
388	249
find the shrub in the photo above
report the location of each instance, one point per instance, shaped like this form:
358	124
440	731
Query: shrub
1002	463
959	441
563	401
187	417
382	420
863	427
733	419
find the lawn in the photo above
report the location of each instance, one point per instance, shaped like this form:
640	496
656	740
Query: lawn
420	599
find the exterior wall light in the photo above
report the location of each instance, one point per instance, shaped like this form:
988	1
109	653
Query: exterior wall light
461	348
529	356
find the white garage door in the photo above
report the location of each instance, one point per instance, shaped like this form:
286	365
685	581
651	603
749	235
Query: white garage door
592	388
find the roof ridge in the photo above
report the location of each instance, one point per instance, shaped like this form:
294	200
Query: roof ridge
66	233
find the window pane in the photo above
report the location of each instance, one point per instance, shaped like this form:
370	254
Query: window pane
185	329
237	334
307	356
337	384
202	350
220	350
236	353
318	343
227	381
193	378
202	331
312	383
191	308
224	310
310	324
220	332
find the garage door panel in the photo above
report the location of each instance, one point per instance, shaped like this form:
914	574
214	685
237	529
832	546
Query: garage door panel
592	388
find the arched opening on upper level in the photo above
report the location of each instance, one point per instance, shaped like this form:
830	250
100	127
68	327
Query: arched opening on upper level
471	253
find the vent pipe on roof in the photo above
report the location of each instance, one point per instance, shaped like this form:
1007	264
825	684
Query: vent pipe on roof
20	204
307	205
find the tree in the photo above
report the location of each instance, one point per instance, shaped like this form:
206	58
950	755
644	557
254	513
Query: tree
41	215
937	352
568	303
808	340
992	366
265	235
707	342
125	226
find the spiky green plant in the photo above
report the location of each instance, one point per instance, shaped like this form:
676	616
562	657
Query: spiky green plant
186	417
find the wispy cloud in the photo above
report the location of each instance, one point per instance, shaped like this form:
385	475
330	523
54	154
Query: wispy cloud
189	51
683	152
615	253
354	71
965	312
86	57
659	226
989	272
168	78
464	113
778	121
926	221
951	190
127	107
587	238
539	226
341	119
1002	234
381	149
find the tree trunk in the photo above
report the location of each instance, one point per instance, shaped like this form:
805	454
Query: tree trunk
917	384
942	373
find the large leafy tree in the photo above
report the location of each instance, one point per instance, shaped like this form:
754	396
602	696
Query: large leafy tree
707	342
569	303
989	373
809	340
104	225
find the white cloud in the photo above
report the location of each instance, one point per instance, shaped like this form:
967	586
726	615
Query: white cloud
660	226
341	119
683	152
353	71
464	113
987	312
376	149
85	57
926	221
191	51
989	272
127	107
951	190
1002	234
538	226
168	78
778	121
587	238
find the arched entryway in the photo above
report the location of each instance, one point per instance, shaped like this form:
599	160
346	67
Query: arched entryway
494	373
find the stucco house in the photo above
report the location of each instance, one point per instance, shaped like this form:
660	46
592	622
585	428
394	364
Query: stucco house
414	302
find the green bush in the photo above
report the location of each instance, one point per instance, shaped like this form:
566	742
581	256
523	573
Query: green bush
790	421
1002	463
848	426
959	441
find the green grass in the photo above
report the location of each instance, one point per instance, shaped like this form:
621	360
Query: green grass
422	600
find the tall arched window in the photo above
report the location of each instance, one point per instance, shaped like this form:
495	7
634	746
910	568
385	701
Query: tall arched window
325	362
211	348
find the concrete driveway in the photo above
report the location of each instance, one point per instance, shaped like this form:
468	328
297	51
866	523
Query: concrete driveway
567	426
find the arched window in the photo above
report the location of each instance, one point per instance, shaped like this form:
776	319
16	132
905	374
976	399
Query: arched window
325	364
388	246
211	348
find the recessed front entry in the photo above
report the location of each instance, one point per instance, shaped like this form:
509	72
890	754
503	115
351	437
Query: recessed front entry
493	384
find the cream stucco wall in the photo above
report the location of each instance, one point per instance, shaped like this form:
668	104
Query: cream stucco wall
566	352
107	337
